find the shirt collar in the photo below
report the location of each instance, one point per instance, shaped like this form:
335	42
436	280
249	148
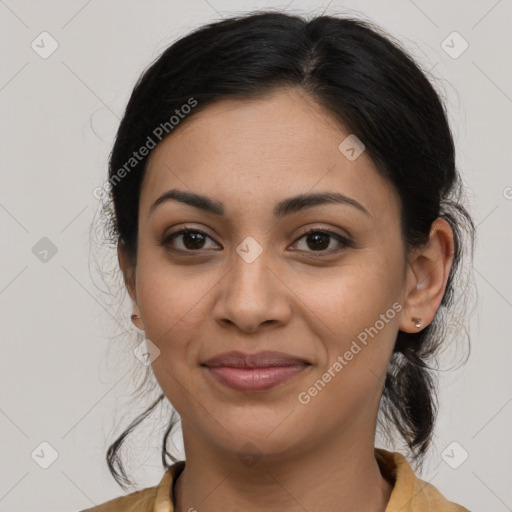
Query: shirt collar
165	492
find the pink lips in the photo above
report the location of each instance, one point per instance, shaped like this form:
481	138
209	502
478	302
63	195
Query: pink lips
254	372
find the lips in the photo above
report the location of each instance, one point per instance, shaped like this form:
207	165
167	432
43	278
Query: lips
264	359
254	372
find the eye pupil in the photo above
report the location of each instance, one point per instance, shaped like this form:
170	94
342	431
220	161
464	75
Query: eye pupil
195	237
318	243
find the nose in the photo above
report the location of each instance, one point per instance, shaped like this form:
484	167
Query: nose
252	295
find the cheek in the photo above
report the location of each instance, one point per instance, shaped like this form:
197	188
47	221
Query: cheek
168	297
354	315
172	303
174	306
352	296
355	320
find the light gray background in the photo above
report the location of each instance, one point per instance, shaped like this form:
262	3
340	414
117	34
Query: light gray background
59	382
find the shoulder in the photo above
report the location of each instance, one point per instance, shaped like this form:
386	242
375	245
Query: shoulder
138	501
410	493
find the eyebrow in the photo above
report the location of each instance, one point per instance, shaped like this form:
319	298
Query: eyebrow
281	209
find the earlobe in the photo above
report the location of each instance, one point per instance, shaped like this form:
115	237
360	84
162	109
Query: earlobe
136	320
427	276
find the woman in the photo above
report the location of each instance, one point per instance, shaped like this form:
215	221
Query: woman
285	206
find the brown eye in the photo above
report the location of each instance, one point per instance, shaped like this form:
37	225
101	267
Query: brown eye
319	240
191	240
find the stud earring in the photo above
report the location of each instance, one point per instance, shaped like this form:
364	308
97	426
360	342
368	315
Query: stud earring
135	317
417	322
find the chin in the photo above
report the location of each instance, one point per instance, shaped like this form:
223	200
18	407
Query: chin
260	432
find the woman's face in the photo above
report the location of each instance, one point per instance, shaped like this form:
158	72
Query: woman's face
253	282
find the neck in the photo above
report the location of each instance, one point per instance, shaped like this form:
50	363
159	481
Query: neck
340	478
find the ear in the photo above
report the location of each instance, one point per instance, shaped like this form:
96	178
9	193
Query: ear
128	269
427	274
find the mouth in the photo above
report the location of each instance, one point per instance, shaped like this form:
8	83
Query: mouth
254	372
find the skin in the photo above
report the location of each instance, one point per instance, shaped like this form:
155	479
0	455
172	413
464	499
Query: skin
250	155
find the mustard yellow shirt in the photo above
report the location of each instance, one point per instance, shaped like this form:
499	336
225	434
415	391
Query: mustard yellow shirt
410	494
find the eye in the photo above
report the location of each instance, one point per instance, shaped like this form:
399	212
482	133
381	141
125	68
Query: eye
192	240
318	240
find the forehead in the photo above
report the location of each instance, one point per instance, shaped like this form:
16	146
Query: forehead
252	152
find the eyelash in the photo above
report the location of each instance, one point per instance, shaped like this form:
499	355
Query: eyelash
345	242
